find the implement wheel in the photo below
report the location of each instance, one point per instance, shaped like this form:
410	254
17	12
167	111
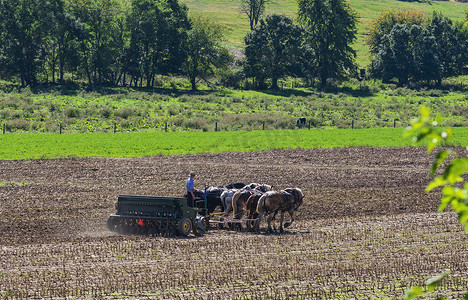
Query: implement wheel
112	223
185	226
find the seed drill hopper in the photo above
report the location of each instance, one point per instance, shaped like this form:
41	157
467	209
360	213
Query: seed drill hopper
157	215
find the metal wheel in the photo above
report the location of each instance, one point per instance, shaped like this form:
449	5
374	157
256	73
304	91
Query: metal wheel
185	226
112	223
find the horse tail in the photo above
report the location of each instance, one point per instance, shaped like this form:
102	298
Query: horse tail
261	204
245	205
235	197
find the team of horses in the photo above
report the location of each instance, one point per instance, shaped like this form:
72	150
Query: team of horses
253	202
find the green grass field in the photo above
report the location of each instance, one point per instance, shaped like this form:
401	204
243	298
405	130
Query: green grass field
38	146
226	12
370	103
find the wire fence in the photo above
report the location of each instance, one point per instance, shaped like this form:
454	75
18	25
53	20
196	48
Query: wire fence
60	128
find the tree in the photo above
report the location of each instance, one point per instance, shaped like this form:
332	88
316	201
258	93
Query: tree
407	53
158	32
273	49
387	20
254	9
395	55
24	28
416	53
205	51
61	40
451	45
330	30
99	37
426	61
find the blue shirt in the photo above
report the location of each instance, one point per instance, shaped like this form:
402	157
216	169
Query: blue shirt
189	185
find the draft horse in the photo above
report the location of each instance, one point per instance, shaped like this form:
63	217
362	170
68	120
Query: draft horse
272	202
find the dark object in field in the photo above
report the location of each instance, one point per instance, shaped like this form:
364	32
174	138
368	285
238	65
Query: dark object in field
300	123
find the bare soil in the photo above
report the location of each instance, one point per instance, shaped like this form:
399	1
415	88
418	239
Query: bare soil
366	229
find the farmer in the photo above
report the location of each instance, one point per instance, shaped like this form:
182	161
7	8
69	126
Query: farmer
190	189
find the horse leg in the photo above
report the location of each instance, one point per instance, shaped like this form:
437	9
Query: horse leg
228	208
273	219
257	223
270	217
281	222
248	223
287	224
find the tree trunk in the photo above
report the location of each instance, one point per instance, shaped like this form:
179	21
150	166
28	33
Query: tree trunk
274	83
193	82
54	62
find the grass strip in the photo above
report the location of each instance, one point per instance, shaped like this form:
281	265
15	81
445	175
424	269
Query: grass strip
138	144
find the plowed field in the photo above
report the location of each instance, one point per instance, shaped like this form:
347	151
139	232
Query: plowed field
366	230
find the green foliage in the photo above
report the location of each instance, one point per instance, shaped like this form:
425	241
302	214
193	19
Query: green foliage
413	52
451	182
273	50
330	29
452	43
369	103
100	42
431	286
387	20
205	51
158	31
227	13
408	53
24	28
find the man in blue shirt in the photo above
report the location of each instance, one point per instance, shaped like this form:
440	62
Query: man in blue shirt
190	189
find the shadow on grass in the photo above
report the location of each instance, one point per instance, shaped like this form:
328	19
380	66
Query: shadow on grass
417	1
363	90
359	92
75	89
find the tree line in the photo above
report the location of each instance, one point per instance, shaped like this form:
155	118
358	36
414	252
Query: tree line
131	42
106	42
410	47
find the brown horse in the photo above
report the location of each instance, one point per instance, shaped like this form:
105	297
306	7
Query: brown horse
250	208
242	195
273	202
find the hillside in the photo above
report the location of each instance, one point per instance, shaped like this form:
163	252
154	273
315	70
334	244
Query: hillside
227	13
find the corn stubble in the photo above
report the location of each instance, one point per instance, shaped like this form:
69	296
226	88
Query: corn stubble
364	231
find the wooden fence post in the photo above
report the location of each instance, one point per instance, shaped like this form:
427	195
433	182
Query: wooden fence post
115	127
4	128
60	128
394	123
352	124
263	125
216	126
166	127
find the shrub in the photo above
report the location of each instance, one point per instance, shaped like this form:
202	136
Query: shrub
173	111
17	124
106	112
196	123
124	113
72	112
